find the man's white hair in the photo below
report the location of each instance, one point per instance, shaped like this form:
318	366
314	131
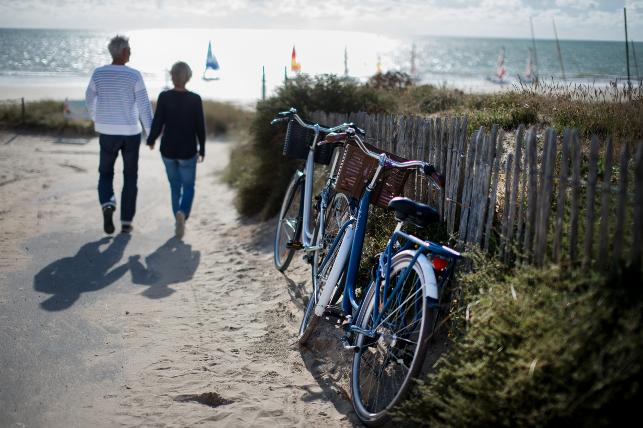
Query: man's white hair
181	73
117	45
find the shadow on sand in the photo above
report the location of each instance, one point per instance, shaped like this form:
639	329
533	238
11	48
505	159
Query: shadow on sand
89	270
172	263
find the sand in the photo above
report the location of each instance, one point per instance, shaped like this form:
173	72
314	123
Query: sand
198	333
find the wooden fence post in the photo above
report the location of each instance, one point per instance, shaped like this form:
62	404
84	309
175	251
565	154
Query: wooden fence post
573	234
494	194
560	201
621	204
505	212
605	202
591	193
532	194
637	226
544	202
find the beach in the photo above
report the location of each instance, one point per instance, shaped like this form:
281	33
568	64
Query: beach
143	329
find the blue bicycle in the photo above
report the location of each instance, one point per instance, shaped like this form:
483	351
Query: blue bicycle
395	320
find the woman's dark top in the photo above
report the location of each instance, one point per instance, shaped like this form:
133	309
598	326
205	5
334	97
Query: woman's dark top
179	114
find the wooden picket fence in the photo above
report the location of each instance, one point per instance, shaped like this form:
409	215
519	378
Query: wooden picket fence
529	197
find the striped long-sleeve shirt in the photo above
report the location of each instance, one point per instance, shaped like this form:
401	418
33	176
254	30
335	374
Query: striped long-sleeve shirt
116	98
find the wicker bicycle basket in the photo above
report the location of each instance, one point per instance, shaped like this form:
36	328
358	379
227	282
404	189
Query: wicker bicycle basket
356	170
298	140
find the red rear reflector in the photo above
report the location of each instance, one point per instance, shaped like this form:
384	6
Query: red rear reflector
439	264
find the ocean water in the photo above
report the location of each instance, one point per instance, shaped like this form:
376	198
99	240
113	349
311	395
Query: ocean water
58	63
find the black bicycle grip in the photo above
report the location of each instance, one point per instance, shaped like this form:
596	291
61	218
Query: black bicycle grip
430	171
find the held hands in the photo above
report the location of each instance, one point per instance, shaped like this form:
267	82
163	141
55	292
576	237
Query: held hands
200	158
151	146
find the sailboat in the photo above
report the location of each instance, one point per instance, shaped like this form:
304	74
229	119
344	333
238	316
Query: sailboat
211	71
294	65
530	74
501	72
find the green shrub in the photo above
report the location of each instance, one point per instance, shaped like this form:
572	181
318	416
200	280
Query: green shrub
268	172
542	347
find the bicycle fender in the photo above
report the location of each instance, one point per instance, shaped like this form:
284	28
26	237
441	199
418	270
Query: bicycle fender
430	283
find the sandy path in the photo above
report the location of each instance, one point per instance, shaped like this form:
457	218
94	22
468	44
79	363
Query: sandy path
126	332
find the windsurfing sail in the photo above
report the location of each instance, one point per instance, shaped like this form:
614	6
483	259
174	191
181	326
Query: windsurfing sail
211	65
529	68
294	65
500	65
378	66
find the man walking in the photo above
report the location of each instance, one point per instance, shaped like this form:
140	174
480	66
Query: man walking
116	99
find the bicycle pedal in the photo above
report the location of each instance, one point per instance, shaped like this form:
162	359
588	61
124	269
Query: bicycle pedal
346	344
294	245
347	322
307	258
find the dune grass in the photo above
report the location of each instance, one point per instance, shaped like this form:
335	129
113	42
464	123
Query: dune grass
221	118
539	347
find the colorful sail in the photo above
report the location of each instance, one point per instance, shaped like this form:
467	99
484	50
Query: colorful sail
500	65
211	61
294	65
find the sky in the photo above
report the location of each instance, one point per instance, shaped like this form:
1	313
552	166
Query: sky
575	19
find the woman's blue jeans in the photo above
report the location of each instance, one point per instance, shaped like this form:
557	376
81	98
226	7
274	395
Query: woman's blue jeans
181	173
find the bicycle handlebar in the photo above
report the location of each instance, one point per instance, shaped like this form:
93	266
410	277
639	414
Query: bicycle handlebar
292	113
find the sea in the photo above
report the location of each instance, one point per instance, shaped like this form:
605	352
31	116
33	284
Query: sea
37	63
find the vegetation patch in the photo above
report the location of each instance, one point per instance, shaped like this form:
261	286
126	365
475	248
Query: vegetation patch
47	116
537	347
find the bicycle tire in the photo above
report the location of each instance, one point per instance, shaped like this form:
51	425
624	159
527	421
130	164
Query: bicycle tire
337	213
403	354
289	223
310	319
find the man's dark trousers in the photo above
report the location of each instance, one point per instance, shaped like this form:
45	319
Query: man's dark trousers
110	145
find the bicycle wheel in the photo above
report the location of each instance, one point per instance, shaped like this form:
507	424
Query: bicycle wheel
310	319
289	224
337	213
384	366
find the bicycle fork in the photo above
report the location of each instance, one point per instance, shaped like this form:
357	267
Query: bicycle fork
335	271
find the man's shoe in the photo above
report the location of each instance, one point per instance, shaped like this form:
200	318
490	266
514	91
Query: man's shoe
127	228
180	224
108	224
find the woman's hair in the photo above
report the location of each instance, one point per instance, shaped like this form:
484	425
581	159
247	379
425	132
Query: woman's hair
117	45
181	73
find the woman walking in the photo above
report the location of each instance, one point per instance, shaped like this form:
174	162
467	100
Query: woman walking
179	115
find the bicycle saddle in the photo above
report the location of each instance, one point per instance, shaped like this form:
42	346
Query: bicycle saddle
413	212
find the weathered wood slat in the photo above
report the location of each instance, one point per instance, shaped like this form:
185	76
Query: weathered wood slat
545	197
591	194
532	194
491	211
560	201
474	187
505	213
466	191
637	226
573	234
486	182
513	197
605	203
621	204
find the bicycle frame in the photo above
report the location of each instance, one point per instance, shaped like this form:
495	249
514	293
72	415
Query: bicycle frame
387	294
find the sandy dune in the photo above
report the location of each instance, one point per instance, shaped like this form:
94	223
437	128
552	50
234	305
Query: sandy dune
148	330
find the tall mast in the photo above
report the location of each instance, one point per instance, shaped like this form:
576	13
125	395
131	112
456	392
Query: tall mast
560	55
627	50
413	69
346	61
533	42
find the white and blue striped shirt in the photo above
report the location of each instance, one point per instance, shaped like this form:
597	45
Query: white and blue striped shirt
116	98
